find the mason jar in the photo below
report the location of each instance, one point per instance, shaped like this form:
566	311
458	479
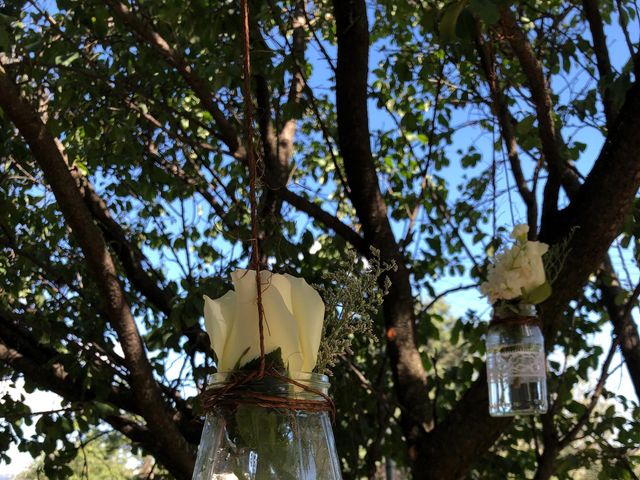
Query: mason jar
516	364
257	440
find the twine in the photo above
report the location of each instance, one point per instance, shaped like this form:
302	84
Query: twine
515	320
253	174
233	394
238	391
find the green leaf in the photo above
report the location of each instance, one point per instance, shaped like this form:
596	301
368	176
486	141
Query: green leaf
450	19
65	62
486	10
5	40
538	294
6	19
82	167
272	360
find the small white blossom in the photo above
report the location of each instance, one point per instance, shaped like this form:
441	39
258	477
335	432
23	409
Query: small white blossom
516	271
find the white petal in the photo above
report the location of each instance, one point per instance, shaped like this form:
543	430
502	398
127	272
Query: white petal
218	316
537	248
520	231
283	285
244	284
280	328
242	344
308	310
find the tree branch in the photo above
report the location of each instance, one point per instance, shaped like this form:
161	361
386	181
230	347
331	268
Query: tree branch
549	133
553	444
446	292
608	283
129	254
132	259
592	13
227	132
325	218
278	147
300	76
501	112
568	178
48	152
546	461
26	355
410	378
634	54
57	380
298	80
277	151
598	208
568	437
625	330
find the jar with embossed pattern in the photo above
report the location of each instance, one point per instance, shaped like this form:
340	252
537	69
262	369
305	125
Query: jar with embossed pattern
259	439
516	364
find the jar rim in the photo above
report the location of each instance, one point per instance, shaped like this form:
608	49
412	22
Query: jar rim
319	379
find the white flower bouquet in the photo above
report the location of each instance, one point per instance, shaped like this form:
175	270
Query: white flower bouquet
517	275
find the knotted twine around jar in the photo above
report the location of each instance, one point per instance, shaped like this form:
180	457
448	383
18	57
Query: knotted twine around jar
238	391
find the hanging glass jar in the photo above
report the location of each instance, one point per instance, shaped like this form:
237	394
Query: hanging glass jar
260	436
516	363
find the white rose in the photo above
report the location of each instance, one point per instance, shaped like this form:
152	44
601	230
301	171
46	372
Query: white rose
532	266
293	317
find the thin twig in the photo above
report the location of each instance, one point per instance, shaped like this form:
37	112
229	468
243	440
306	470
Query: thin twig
447	292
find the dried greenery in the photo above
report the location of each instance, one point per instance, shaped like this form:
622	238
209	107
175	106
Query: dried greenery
556	256
352	294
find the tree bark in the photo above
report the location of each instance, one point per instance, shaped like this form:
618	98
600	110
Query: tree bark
546	462
592	13
48	152
409	375
541	95
624	328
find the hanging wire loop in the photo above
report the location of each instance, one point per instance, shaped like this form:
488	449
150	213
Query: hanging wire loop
253	174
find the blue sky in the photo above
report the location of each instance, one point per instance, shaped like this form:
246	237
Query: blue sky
459	302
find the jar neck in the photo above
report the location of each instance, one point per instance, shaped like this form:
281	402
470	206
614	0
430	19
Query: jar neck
293	385
507	310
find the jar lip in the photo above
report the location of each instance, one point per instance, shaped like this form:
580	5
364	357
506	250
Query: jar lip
319	379
511	310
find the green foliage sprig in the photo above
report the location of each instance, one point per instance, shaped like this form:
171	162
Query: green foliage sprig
554	259
352	297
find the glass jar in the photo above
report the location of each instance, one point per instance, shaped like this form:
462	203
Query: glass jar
251	442
516	364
